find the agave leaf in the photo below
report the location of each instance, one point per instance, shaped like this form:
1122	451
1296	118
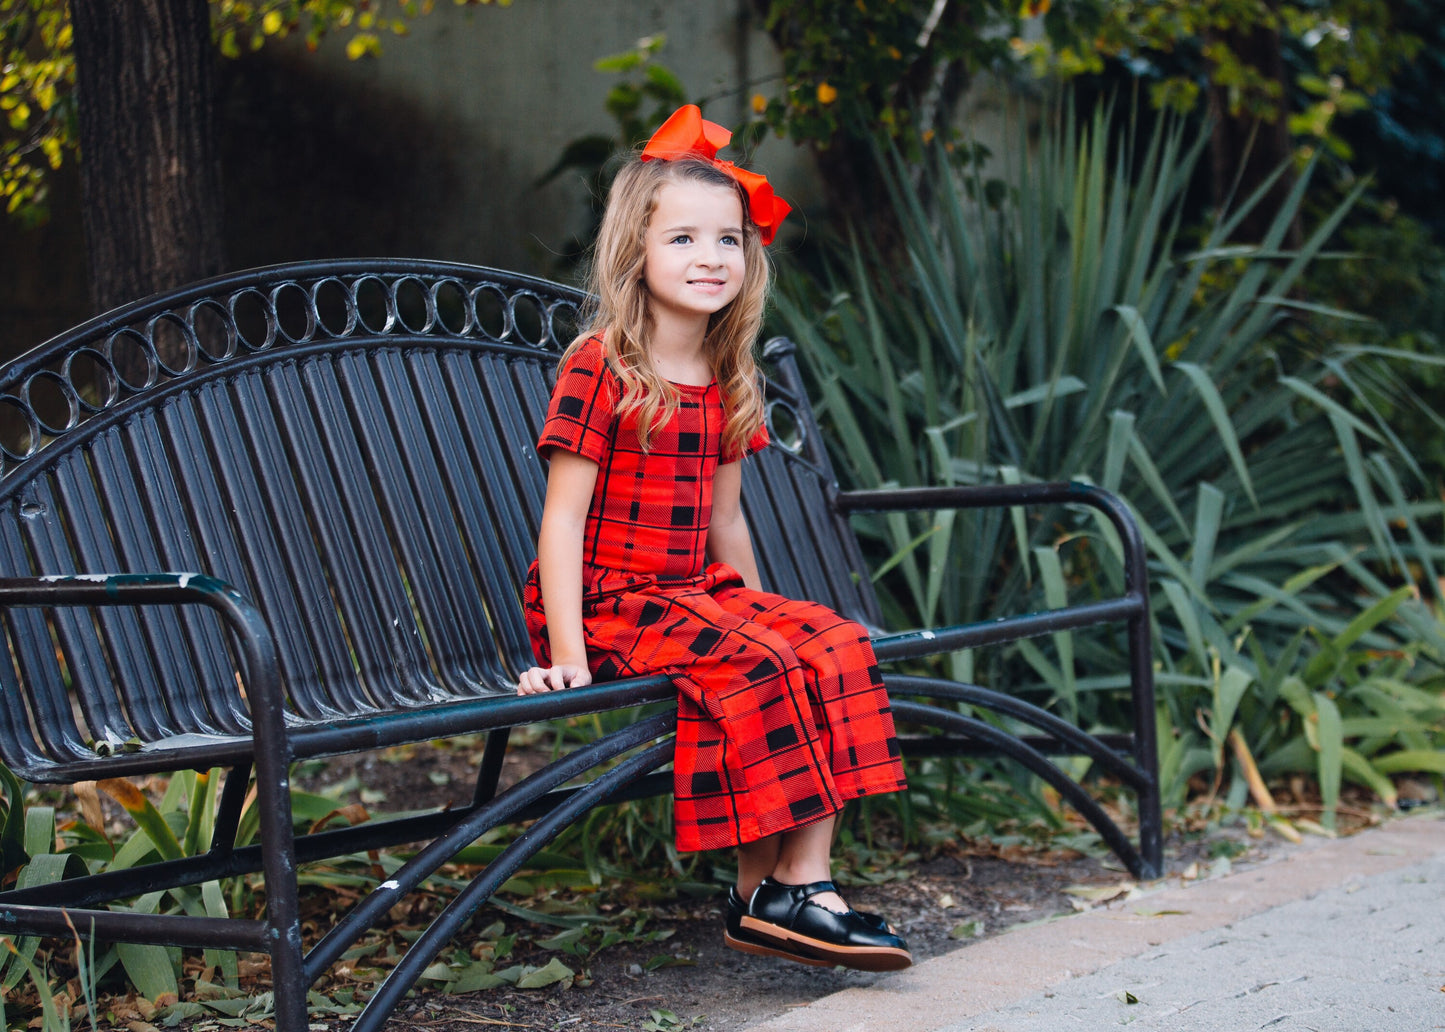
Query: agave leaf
1214	405
12	822
1143	343
1406	761
1183	606
1229	688
1331	759
1056	594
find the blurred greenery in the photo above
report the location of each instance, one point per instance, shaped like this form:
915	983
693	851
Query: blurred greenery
1068	322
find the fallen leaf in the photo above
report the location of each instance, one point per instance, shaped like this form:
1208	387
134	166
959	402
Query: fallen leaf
1099	893
554	972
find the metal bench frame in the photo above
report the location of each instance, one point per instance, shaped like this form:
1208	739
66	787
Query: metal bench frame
340	456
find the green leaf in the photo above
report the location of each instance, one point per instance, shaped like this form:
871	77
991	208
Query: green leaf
1420	761
1359	770
1331	761
554	972
1228	690
1208	515
1214	406
1183	607
12	822
1143	343
149	968
1056	596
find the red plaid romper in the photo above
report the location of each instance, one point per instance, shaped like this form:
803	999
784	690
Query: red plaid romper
782	714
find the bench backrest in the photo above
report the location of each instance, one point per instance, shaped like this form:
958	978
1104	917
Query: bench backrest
352	446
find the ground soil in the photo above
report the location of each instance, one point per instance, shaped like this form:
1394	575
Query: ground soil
949	896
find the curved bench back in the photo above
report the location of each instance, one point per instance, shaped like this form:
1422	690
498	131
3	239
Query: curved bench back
350	444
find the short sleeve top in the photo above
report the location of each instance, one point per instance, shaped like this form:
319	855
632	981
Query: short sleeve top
650	509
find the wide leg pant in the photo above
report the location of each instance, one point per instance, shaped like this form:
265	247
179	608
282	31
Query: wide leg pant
782	714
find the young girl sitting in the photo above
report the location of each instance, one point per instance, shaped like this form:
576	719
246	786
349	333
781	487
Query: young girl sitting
645	564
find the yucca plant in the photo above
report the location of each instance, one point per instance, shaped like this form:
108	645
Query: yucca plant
1074	330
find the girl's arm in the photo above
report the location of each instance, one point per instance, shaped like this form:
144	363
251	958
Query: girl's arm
728	540
570	479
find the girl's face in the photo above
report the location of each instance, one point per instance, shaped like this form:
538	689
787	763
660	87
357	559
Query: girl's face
693	257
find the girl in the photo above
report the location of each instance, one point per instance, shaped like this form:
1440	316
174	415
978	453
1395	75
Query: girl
645	564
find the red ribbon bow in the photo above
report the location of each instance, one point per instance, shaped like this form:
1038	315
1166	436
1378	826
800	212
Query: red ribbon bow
686	134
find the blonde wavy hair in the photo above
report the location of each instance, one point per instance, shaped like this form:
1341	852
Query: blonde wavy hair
621	316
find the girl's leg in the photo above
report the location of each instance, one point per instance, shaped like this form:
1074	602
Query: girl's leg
756	861
797	857
805	856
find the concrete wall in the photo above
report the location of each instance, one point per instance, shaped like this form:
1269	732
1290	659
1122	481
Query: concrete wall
432	150
508	88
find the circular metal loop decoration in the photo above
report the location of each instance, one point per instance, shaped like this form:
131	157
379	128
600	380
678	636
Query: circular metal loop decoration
173	343
169	339
254	319
294	313
215	333
130	352
528	317
492	315
410	298
92	378
453	307
19	429
564	323
375	306
785	429
48	391
335	307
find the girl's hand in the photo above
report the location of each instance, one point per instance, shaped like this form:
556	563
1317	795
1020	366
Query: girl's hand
553	679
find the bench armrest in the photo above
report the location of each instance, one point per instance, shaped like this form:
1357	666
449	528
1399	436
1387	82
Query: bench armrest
990	496
1132	606
258	647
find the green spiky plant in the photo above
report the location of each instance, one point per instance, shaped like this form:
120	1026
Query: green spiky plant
1072	329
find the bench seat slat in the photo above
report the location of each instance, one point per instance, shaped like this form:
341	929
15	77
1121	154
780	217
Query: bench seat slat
123	654
123	467
178	547
244	531
495	512
371	591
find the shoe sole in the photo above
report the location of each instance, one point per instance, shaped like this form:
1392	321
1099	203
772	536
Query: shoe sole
759	949
861	958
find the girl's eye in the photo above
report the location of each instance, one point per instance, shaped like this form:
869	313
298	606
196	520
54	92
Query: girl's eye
731	240
681	238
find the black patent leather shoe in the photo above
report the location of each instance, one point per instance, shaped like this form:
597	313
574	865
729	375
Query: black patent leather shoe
785	918
737	939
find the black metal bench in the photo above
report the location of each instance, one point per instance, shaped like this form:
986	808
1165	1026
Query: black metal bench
287	513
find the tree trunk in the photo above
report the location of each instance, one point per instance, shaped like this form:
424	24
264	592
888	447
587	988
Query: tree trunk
1245	150
150	162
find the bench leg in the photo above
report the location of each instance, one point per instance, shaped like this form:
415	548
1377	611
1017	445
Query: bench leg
490	771
283	910
278	865
1146	745
228	814
465	904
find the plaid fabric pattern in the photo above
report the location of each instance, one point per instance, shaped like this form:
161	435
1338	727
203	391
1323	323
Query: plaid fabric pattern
651	509
782	714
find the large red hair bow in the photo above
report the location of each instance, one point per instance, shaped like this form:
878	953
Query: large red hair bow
686	134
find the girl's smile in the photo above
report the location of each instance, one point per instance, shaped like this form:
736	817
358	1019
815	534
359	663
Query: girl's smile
693	256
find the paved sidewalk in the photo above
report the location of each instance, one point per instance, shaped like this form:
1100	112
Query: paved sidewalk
1342	936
